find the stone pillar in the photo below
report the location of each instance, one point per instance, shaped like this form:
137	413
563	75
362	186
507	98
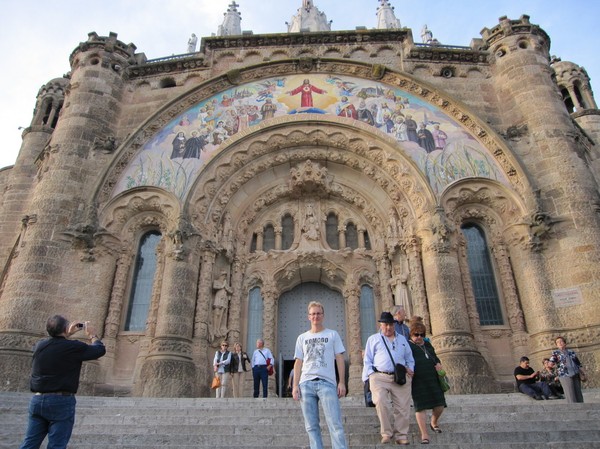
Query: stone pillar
383	271
169	370
354	349
450	329
361	237
270	295
235	306
516	320
278	231
203	361
259	239
416	280
342	236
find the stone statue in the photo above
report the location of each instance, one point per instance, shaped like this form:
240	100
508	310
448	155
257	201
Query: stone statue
311	225
193	40
426	35
220	306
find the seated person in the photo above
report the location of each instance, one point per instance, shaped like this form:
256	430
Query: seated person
550	376
527	384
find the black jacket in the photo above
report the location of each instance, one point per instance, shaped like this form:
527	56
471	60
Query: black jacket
235	362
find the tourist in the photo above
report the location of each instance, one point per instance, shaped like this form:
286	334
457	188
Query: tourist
427	393
55	379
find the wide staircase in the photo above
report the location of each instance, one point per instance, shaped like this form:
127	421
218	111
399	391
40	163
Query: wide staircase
498	421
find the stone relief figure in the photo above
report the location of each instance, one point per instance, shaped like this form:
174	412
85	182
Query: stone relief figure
220	306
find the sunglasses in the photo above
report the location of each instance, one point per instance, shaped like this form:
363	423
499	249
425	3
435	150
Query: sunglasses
418	335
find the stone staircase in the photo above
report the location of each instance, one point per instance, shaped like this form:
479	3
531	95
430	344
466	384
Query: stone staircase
498	421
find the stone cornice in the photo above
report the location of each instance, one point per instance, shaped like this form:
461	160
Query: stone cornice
300	39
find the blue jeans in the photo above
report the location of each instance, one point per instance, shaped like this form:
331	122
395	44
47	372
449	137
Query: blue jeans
311	393
536	389
260	375
50	415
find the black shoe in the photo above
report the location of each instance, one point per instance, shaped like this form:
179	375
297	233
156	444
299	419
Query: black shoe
536	397
553	397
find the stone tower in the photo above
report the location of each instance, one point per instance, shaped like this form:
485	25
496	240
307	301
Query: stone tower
540	130
386	19
232	23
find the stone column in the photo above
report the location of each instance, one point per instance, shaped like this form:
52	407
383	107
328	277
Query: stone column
203	361
270	295
169	370
354	349
361	237
416	280
342	236
235	307
450	329
383	271
259	239
278	231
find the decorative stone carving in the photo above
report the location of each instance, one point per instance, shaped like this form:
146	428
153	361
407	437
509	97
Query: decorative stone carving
220	306
105	145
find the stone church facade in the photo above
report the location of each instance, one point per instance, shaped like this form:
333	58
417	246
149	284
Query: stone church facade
208	196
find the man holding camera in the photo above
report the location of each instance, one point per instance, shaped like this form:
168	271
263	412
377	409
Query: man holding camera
55	379
383	351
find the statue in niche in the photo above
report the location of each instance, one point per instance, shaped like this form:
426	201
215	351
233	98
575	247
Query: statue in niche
220	306
311	224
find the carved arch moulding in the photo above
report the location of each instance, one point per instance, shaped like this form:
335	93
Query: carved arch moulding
128	214
340	82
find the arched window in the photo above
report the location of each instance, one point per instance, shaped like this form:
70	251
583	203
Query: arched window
570	105
577	90
287	235
253	243
367	241
143	280
255	316
368	324
351	236
482	277
269	238
331	231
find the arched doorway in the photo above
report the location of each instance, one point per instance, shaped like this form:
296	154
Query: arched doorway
293	320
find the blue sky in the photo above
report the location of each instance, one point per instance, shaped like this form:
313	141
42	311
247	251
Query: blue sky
36	39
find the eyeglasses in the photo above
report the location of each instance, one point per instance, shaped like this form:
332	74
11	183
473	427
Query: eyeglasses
224	346
419	335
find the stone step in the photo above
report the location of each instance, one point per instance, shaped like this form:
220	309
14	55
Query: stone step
482	421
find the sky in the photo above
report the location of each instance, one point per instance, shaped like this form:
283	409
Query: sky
37	36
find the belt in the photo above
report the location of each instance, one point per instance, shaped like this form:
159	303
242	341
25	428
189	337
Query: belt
55	393
382	372
315	379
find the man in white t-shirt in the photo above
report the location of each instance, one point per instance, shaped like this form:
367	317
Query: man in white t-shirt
315	381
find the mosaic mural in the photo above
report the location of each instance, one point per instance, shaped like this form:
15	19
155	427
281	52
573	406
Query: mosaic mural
443	150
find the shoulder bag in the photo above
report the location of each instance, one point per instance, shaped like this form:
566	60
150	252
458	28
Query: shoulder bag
399	369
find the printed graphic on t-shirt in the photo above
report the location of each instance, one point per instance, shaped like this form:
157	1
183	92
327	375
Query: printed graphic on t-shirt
314	350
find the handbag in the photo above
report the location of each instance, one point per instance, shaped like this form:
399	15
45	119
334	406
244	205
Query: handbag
270	370
444	384
368	395
399	369
582	376
216	383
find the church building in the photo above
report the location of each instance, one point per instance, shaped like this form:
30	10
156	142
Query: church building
208	196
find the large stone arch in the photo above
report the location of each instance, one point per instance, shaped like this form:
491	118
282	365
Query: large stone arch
443	102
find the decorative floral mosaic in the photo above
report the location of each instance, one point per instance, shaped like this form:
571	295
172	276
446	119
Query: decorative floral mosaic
442	149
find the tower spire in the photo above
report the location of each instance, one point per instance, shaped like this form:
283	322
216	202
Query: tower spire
308	18
232	22
386	19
